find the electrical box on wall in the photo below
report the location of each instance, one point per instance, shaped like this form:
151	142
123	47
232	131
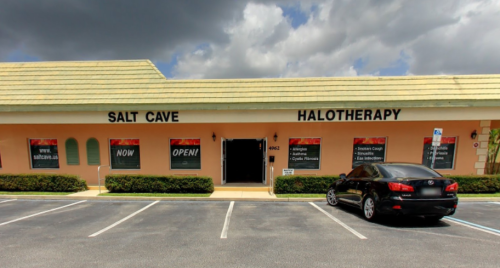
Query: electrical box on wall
271	159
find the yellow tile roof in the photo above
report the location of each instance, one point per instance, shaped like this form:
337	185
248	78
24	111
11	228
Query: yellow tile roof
138	85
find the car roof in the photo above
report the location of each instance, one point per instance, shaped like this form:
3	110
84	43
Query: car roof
396	164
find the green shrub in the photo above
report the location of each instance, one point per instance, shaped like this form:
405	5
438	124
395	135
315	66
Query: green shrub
477	183
122	183
297	184
42	183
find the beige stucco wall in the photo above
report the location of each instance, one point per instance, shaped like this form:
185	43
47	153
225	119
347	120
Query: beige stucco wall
404	144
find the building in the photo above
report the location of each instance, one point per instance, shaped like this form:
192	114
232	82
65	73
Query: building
71	117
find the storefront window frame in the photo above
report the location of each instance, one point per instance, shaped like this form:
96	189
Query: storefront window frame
31	157
170	157
454	153
109	150
320	151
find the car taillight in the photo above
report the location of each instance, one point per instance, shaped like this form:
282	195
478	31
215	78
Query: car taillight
399	187
452	187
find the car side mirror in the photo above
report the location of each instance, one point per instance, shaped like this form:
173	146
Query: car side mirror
343	176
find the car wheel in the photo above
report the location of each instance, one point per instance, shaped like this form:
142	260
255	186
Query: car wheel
369	211
331	197
433	218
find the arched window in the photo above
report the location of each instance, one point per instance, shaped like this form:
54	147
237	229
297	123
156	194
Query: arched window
72	156
93	156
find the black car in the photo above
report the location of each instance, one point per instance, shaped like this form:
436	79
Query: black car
395	189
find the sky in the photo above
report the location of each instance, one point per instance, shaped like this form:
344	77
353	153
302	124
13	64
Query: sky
199	39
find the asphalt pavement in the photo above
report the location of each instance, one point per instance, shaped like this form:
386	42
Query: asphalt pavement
83	233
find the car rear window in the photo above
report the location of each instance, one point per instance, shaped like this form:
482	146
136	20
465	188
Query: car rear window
394	171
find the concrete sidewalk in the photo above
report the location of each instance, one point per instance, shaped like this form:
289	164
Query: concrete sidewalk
241	194
215	194
89	193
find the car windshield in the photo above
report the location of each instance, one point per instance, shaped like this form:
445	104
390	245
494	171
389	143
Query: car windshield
394	171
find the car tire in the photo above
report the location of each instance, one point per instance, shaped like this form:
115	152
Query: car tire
433	218
369	211
331	197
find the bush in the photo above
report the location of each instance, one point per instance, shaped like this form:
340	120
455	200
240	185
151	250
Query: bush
122	183
477	183
319	184
296	184
42	183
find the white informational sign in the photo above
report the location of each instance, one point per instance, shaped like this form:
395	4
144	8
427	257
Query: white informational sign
288	171
436	137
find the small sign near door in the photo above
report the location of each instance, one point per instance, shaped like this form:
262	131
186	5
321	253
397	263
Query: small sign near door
288	171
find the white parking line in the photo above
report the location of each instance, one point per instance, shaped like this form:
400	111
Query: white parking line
498	203
122	220
43	212
223	235
339	222
7	201
473	226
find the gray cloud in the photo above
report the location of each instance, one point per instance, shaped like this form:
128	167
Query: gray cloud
252	38
95	29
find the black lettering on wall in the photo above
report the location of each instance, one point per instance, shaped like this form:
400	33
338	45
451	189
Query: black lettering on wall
359	114
330	115
387	113
319	116
148	118
120	117
302	115
134	114
158	117
349	114
311	116
166	116
112	117
175	116
340	114
368	115
378	115
396	113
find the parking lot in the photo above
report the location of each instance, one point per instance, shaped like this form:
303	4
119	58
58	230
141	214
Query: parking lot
75	233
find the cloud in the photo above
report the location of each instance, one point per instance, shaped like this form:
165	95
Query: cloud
112	29
262	38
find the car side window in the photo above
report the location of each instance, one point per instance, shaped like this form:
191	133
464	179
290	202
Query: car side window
371	172
365	172
355	173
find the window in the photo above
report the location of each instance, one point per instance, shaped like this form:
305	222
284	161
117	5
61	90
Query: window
125	154
403	171
185	154
355	172
72	156
304	153
368	150
44	153
445	153
93	155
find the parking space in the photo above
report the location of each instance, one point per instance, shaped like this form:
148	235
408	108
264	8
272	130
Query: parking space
485	213
288	234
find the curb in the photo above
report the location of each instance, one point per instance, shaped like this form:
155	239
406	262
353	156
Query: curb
145	198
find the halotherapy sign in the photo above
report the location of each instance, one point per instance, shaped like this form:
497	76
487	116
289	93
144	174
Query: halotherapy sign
349	115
